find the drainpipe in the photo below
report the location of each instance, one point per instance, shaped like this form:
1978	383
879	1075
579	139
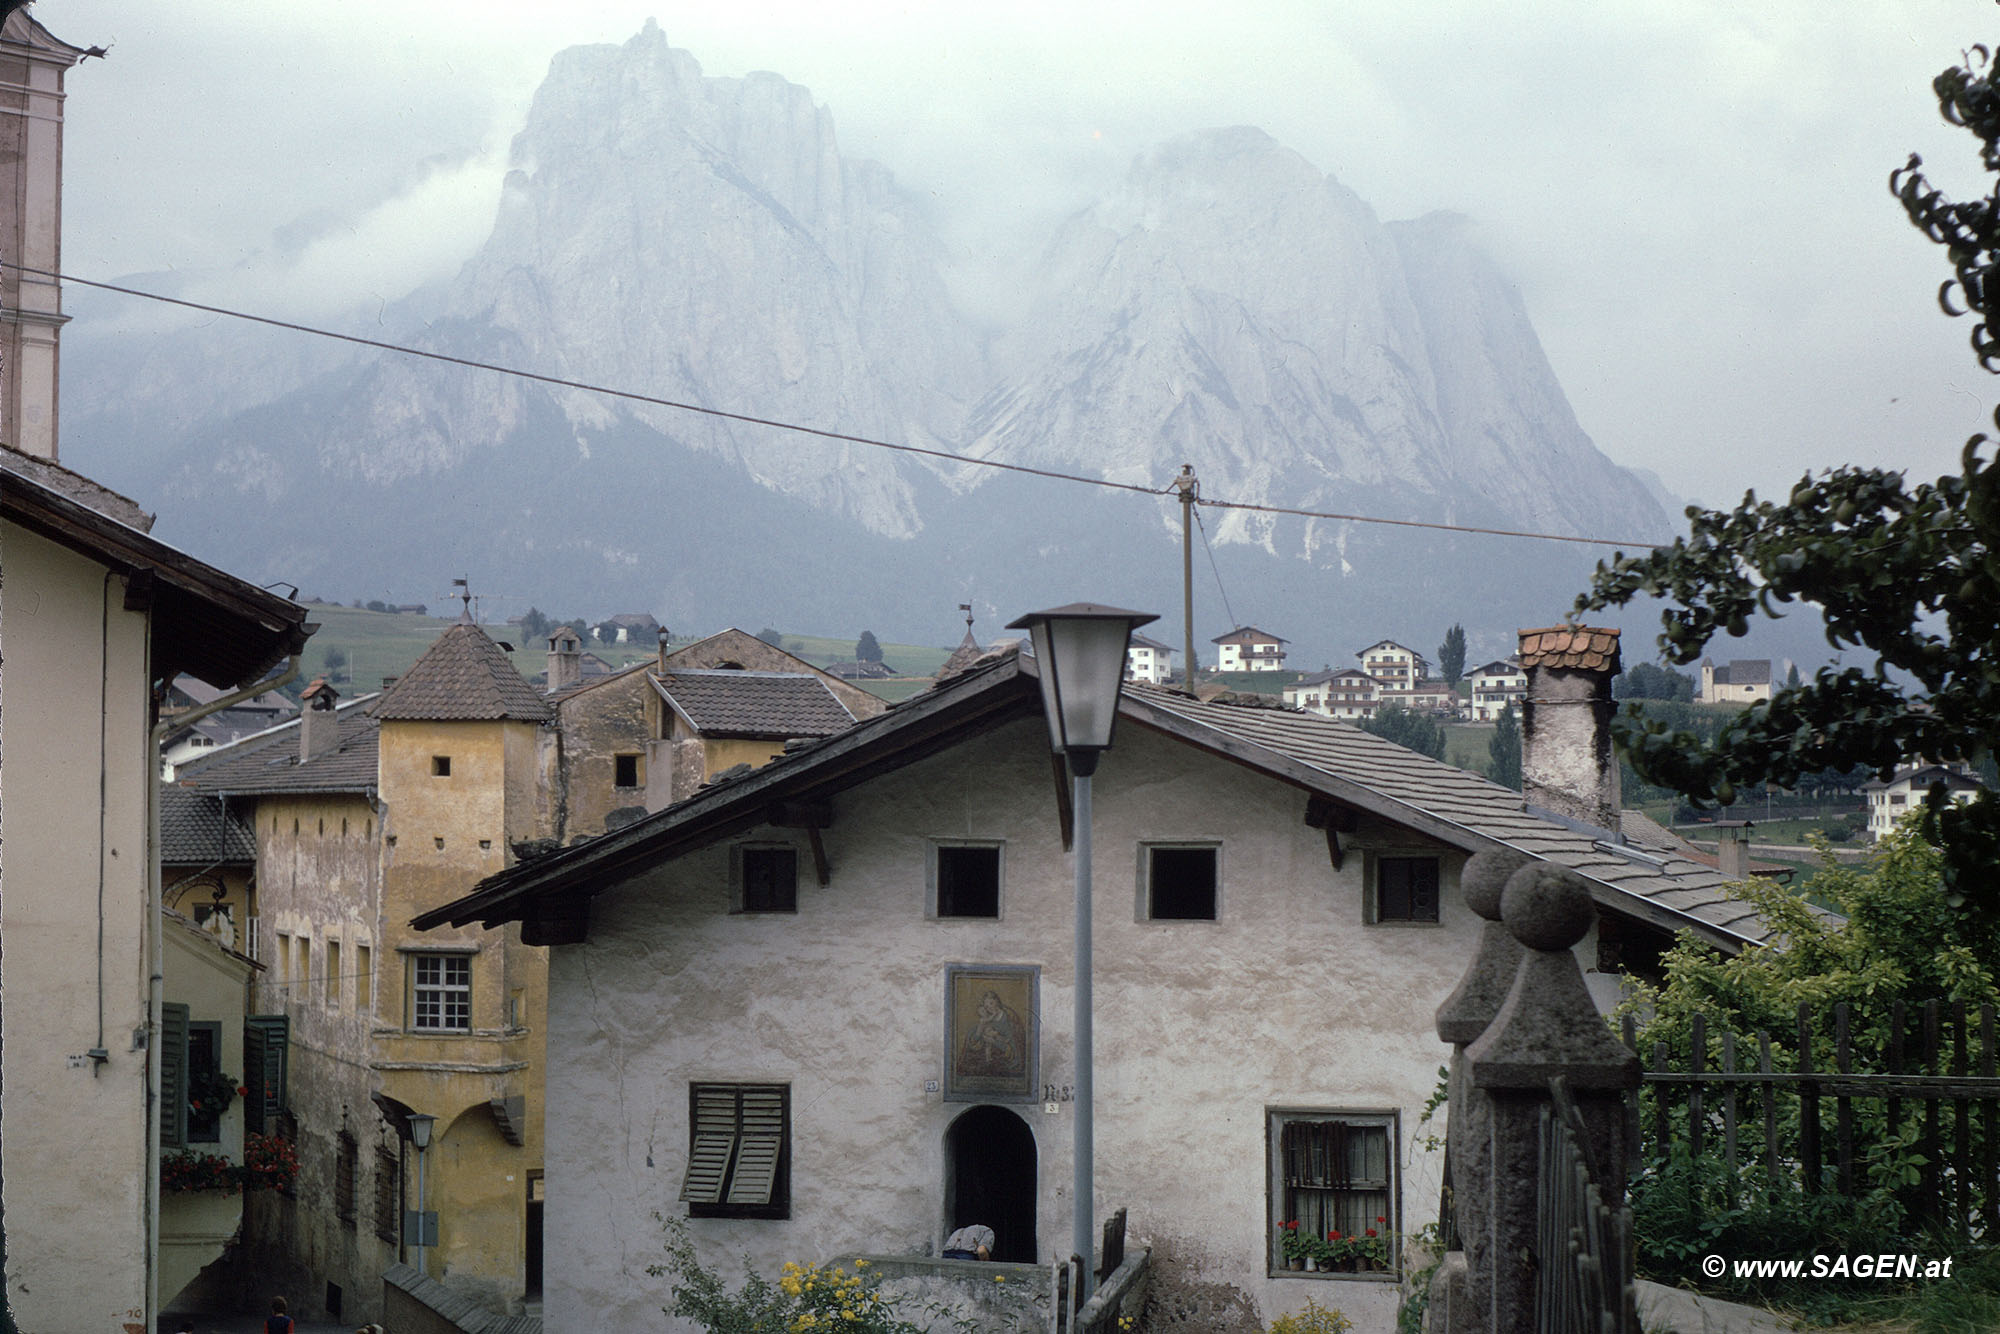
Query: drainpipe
156	972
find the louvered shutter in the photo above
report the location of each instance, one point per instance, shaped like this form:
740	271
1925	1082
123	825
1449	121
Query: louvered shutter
761	1145
266	1043
173	1075
713	1143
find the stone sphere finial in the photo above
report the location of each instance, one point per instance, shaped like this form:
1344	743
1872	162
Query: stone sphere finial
1485	875
1547	907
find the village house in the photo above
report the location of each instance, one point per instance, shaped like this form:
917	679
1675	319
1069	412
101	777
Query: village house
1349	693
1496	687
1248	649
1396	669
825	1007
1905	790
1433	697
1148	660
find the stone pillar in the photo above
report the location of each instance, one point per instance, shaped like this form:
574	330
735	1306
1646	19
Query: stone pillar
1457	1291
1567	764
1545	1028
1732	849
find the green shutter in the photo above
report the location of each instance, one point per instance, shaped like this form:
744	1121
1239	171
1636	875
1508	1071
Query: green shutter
266	1051
761	1146
173	1075
712	1143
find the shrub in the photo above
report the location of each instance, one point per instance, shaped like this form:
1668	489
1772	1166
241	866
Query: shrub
1315	1319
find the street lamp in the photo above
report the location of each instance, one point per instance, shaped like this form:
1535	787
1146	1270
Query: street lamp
426	1222
1080	659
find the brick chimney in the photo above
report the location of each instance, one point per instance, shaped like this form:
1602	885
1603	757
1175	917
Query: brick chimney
319	724
1732	848
565	659
1567	764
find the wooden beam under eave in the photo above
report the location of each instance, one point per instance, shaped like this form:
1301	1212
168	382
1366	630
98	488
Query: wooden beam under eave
1323	812
820	867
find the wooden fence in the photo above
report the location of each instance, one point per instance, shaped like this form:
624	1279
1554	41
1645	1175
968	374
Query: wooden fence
1933	1078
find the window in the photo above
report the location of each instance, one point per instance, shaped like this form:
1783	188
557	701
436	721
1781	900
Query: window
1180	883
965	880
1405	889
363	978
388	1195
284	959
441	993
767	879
1331	1172
333	975
626	770
440	766
204	1082
266	1049
346	1165
738	1160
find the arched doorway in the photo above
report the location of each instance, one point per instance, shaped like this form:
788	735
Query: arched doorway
990	1178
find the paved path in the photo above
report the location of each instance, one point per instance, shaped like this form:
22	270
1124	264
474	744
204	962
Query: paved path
1683	1312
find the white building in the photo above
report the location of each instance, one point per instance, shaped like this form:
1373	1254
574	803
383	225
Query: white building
1349	693
826	1008
1148	660
1740	681
1496	685
1248	649
1396	669
1904	792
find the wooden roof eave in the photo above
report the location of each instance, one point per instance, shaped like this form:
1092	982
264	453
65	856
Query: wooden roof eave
889	741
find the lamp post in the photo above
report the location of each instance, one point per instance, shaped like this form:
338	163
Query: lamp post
420	1137
1080	659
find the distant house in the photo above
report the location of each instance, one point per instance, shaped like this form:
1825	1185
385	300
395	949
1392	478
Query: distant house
1396	669
861	671
633	628
1349	693
1495	686
1905	791
1741	681
1148	660
1433	697
1248	649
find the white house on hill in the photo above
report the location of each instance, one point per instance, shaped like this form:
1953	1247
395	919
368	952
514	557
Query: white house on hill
1248	649
1148	660
826	1007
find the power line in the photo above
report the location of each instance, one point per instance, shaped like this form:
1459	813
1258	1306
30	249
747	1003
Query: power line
797	428
1227	609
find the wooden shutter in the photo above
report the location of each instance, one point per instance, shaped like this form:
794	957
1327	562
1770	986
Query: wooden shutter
266	1051
712	1144
761	1145
173	1075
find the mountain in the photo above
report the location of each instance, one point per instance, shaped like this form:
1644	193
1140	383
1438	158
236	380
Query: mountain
704	241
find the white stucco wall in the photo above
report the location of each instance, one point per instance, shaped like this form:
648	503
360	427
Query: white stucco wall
1289	1000
73	1155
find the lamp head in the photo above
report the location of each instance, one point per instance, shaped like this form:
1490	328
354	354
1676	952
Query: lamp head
1080	657
420	1129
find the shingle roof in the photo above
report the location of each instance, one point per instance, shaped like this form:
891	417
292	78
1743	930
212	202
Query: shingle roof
463	677
1570	646
780	705
1745	672
962	657
1320	754
269	761
1248	634
195	827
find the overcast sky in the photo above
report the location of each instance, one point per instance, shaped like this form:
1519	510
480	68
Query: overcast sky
1691	196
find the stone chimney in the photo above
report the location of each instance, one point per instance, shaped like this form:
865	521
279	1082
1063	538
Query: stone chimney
1732	848
319	724
565	659
1567	764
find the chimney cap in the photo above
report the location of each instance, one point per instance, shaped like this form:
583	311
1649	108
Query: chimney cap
1586	647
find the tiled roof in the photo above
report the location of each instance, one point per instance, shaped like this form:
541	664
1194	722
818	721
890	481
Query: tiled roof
1319	754
1570	646
1248	634
754	704
269	761
196	828
463	677
962	657
1744	672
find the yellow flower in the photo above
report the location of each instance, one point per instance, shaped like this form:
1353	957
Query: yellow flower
1002	1278
860	1264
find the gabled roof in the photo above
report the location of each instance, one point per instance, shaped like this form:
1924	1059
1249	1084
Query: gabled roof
962	657
462	677
1307	751
1499	667
205	623
197	828
269	761
779	705
1248	634
1388	643
1141	641
1925	775
1744	672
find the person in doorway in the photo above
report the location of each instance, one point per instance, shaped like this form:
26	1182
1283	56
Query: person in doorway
277	1322
974	1241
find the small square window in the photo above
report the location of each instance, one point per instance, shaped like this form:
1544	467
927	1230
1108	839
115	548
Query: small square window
1182	884
441	766
967	880
739	1160
627	770
1406	889
767	879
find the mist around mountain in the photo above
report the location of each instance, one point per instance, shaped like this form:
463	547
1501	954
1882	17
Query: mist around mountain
703	240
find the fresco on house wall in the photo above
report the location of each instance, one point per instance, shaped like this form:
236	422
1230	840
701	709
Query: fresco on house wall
990	1032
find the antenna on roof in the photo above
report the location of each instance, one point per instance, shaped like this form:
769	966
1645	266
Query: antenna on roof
464	596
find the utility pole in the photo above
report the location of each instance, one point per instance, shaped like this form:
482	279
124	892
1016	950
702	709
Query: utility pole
1185	485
